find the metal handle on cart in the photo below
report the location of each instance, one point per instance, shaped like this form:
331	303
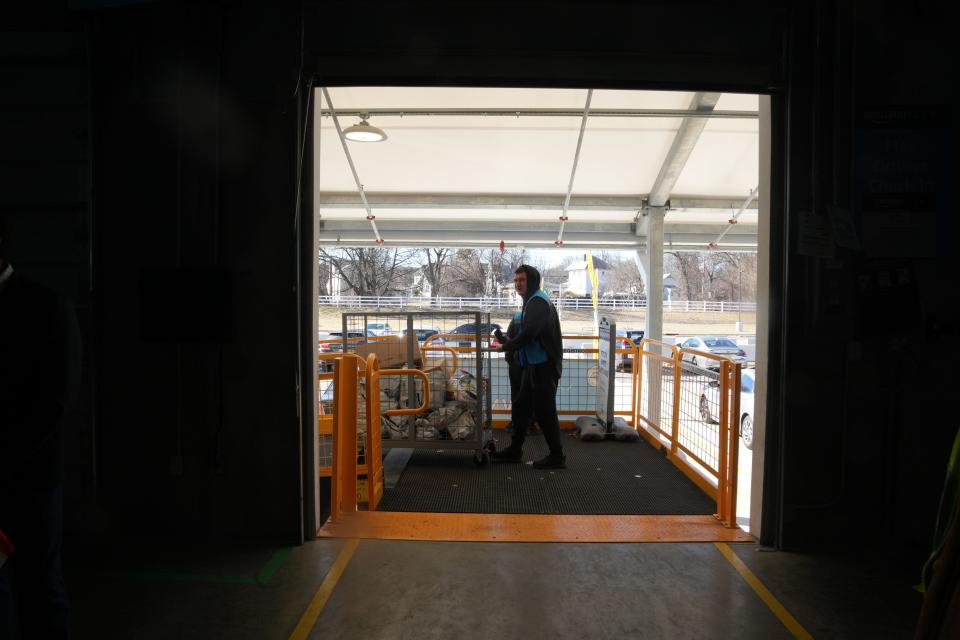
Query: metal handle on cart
431	347
405	372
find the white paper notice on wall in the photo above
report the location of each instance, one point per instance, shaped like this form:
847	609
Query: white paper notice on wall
814	237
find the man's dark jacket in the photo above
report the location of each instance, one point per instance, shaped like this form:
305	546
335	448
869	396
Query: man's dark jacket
539	322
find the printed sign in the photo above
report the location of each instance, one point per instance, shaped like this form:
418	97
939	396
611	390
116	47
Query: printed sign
606	362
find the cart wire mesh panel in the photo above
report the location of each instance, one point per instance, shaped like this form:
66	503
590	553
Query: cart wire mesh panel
453	350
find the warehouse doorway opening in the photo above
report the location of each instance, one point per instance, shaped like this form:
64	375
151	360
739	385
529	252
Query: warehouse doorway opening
428	196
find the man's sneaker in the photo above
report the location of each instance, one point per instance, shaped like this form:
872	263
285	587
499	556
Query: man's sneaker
507	455
551	463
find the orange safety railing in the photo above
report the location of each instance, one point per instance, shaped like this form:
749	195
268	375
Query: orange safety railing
325	416
345	467
694	413
326	385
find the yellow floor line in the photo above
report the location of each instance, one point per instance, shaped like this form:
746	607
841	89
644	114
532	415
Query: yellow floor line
315	608
768	598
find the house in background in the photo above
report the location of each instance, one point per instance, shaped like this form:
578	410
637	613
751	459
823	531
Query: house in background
670	287
578	277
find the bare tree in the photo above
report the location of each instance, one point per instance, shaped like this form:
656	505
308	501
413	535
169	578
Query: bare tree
713	265
715	275
434	269
737	277
687	263
369	271
467	275
513	258
624	275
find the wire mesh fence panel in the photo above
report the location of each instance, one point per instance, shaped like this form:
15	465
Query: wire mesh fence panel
325	421
625	388
325	454
577	389
325	411
657	391
577	392
698	429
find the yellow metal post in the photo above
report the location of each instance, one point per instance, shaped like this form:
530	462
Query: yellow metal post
343	475
347	432
638	398
736	372
723	470
336	482
677	375
374	459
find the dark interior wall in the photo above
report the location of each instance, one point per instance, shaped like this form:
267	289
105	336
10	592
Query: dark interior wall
45	188
195	122
865	428
665	45
185	114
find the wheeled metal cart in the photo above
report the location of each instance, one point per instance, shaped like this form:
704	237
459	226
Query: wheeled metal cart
453	349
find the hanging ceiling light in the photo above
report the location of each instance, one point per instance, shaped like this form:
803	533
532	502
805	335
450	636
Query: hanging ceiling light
364	132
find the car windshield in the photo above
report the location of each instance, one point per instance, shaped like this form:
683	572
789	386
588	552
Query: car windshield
746	383
725	343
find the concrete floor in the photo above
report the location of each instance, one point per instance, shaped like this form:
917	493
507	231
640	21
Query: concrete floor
424	590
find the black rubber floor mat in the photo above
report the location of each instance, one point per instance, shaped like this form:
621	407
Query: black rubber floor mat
606	477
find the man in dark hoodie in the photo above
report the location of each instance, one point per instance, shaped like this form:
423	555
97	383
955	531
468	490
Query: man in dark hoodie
538	347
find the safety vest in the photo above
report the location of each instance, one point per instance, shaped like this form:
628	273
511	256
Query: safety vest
533	352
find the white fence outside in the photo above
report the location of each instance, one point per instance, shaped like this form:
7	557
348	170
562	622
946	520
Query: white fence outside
449	302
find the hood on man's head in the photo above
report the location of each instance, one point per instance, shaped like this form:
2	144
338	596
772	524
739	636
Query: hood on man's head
533	278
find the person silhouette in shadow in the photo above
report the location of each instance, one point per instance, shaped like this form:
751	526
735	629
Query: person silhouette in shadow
39	376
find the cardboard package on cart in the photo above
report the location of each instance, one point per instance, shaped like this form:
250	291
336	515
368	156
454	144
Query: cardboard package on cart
391	351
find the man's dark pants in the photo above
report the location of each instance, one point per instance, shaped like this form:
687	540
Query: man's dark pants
516	375
537	400
33	521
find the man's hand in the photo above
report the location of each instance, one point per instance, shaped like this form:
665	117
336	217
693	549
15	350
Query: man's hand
500	339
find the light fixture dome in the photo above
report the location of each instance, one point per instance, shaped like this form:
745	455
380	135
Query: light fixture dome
364	132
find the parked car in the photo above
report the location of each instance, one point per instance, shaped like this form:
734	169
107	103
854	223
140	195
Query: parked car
379	328
718	345
749	346
486	329
710	397
423	334
332	342
626	360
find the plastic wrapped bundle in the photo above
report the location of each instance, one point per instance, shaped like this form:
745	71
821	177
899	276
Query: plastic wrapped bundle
624	432
590	429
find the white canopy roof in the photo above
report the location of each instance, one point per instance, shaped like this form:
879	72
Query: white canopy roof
449	175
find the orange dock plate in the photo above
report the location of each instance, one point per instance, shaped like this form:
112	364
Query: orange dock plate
478	527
